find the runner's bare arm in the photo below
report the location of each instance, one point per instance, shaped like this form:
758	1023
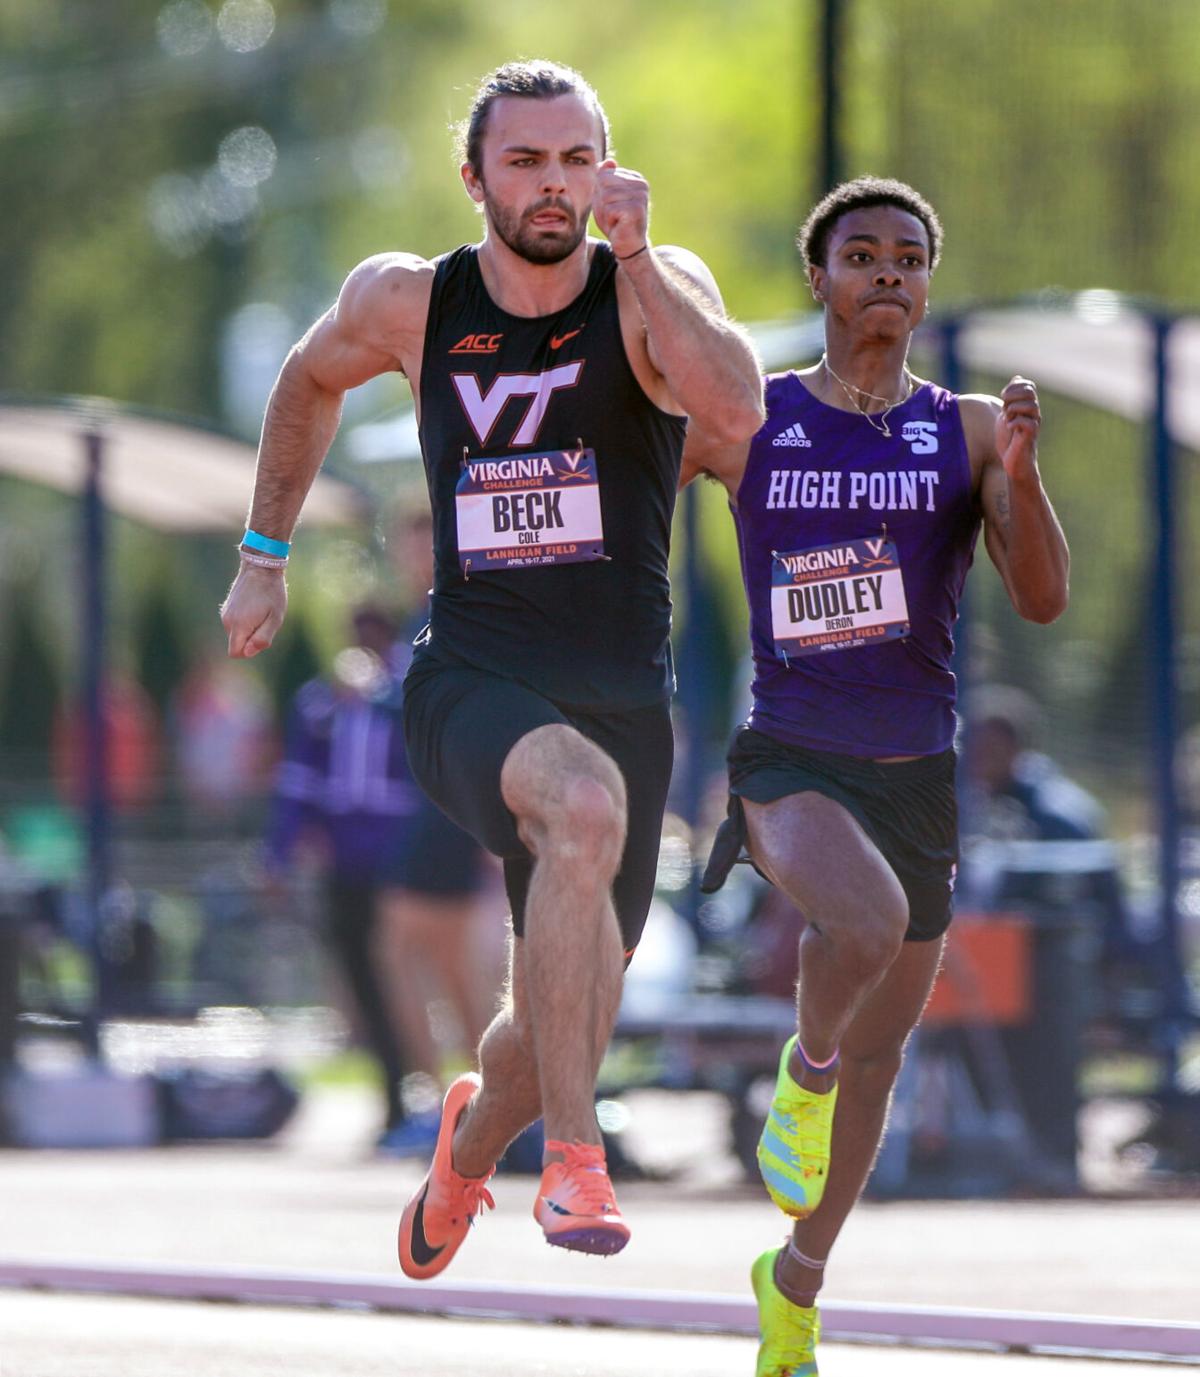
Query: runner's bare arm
704	454
373	328
1021	531
368	331
707	363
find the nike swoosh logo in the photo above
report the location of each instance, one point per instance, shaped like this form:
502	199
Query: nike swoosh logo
557	341
423	1253
562	1209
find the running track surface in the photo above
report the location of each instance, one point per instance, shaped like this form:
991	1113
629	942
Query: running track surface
91	1336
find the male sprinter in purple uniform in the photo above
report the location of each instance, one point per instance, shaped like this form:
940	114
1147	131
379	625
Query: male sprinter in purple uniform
553	376
857	506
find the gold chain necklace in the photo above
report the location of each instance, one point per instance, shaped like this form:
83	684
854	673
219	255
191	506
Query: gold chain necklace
881	425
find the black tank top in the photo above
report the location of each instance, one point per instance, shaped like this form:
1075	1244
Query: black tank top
593	632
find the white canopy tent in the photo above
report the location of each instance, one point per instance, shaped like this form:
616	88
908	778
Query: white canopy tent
168	474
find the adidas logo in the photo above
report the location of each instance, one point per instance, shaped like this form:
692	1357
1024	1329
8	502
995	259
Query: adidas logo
794	437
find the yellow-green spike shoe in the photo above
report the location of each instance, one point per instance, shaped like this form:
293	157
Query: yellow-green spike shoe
793	1151
787	1333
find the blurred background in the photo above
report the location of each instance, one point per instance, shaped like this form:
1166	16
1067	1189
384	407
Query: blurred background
185	185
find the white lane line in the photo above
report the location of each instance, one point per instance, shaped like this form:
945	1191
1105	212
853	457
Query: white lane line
1090	1335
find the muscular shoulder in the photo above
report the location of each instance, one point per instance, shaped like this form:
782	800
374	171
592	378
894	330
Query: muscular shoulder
377	325
385	298
978	411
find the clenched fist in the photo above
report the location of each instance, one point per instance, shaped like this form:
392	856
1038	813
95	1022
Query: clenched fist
254	610
621	207
1017	426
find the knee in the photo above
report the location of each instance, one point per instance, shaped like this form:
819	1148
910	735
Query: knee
591	806
582	820
565	792
875	945
867	941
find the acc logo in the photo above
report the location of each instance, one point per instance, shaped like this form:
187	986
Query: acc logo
922	436
478	344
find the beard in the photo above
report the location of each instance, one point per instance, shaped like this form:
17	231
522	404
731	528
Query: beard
529	242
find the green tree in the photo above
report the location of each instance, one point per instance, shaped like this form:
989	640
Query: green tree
29	692
162	656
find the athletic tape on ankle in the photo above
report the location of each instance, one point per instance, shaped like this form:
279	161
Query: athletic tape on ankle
817	1065
804	1260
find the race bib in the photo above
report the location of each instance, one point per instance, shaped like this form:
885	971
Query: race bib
529	510
837	597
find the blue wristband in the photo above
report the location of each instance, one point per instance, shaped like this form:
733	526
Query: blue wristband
253	541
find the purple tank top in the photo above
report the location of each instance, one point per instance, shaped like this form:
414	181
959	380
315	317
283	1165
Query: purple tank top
854	550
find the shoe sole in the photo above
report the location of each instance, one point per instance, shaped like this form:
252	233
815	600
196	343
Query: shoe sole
793	1208
790	1208
599	1242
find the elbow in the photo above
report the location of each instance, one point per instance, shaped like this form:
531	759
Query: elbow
1047	607
755	417
737	421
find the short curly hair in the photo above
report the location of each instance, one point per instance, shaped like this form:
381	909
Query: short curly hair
813	239
533	80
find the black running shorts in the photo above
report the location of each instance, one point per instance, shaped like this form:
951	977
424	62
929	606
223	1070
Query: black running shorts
460	724
908	808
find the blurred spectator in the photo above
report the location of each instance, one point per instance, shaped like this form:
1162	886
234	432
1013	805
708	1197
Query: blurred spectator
1034	842
343	793
440	928
436	940
224	736
1016	794
132	741
1013	792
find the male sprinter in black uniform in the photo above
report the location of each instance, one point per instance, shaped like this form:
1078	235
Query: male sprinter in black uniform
857	508
553	375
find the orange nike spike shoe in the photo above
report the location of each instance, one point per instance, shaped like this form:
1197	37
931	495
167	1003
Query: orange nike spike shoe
576	1206
439	1216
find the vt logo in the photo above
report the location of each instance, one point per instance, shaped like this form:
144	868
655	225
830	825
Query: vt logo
483	408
